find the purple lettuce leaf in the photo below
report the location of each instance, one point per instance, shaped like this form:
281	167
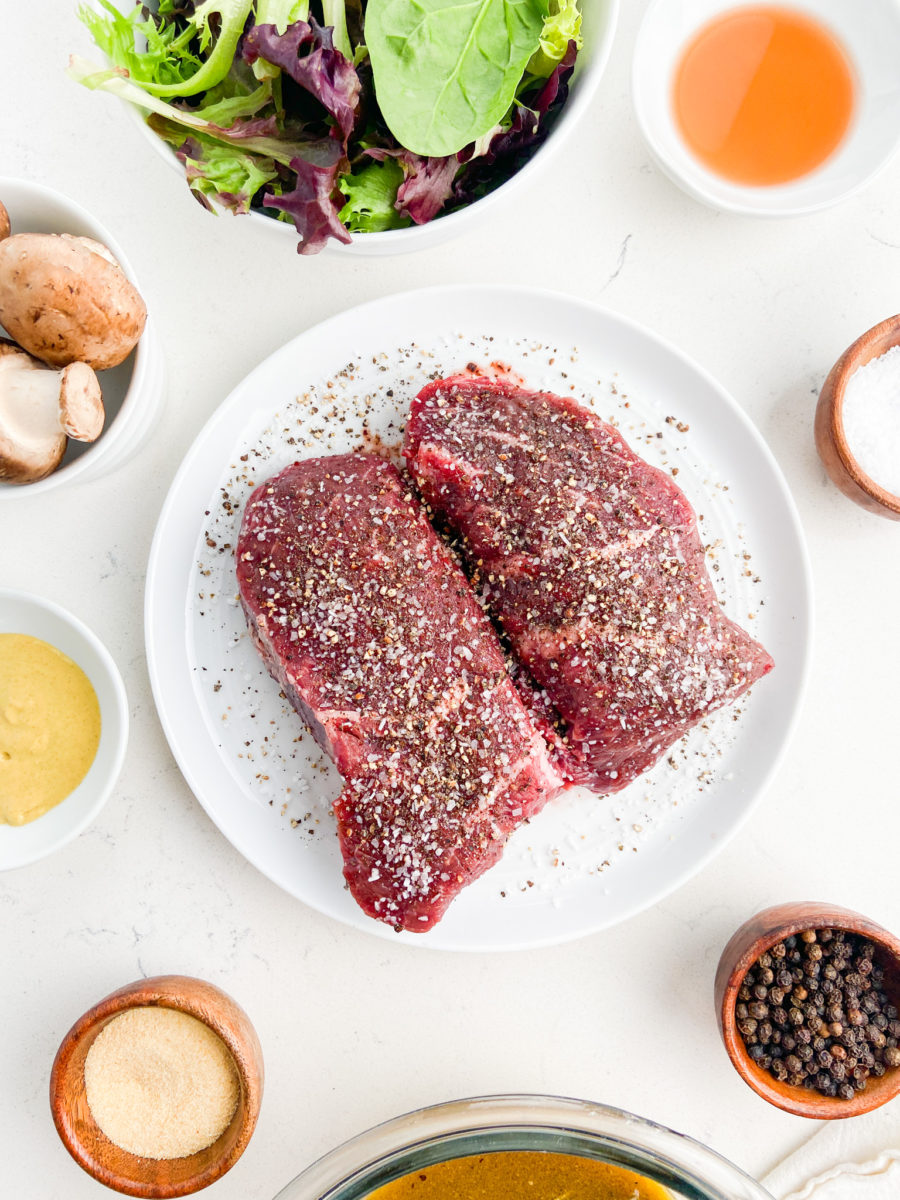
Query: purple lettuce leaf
322	71
310	205
427	183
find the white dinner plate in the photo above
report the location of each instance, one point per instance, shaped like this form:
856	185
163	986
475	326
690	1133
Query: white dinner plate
585	862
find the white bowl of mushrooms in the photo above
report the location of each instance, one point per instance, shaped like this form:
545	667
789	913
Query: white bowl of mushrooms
81	373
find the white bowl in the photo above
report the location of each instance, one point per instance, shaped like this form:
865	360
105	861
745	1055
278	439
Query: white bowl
133	391
23	613
598	27
872	41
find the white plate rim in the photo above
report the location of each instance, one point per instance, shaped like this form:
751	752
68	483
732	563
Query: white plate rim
458	292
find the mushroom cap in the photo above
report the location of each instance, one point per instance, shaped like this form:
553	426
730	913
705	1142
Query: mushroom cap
91	244
65	302
32	443
80	403
4	222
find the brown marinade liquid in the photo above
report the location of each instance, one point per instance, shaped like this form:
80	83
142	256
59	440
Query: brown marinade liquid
516	1174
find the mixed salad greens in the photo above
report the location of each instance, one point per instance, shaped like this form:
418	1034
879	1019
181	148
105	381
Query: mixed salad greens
342	116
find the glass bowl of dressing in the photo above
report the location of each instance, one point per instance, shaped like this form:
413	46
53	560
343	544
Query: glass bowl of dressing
63	727
769	109
500	1147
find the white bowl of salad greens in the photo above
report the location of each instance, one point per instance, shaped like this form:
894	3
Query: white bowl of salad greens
368	126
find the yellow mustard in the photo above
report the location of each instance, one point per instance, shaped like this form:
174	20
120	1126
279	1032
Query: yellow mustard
514	1174
49	727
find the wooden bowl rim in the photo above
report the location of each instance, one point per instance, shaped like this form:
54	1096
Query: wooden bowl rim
182	993
833	393
807	915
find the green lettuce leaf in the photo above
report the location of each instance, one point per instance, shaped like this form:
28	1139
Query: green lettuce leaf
115	82
562	25
214	171
169	67
371	194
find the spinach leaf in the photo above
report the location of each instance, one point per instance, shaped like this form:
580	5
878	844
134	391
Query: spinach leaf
446	71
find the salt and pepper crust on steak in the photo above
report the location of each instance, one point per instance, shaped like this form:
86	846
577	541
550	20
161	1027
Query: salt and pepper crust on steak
591	562
372	630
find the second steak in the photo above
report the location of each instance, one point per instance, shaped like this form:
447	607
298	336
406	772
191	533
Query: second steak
590	560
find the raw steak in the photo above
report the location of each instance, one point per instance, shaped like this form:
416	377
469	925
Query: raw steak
590	560
373	632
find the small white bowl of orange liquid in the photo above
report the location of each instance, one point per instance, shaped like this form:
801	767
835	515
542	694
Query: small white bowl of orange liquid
769	110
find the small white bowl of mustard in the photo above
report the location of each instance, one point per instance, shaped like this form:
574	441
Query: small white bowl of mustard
63	727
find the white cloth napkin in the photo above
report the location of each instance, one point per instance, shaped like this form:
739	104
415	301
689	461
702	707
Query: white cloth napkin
856	1159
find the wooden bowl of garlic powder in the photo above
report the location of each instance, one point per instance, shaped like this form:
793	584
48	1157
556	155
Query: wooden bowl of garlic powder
156	1090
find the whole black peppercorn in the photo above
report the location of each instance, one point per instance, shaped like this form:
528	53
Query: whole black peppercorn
891	1057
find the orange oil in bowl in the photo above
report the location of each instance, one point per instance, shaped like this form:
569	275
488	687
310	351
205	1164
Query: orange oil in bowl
763	95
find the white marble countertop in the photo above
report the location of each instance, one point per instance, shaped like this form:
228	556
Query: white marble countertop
356	1030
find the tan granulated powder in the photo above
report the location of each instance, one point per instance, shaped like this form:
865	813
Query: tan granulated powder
160	1083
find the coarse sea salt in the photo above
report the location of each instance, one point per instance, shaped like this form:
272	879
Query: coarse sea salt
871	416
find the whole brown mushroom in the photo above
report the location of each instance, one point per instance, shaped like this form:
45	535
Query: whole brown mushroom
39	407
65	299
4	222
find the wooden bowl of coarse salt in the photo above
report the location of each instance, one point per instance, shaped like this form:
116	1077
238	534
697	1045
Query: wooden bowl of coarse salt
156	1090
858	420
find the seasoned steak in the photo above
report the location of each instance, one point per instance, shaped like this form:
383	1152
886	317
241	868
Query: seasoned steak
590	560
373	632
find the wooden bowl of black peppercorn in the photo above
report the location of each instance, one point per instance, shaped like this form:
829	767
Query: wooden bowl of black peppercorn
808	1003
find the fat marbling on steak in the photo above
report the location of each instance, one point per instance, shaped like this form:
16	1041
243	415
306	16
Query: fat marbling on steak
590	560
372	630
